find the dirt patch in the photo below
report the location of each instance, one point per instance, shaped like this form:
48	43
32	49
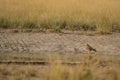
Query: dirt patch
55	42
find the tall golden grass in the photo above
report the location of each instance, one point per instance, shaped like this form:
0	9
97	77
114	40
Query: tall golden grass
93	67
102	15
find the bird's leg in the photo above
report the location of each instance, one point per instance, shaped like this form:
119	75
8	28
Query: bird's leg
87	58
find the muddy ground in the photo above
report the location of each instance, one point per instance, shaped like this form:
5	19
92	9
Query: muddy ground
61	43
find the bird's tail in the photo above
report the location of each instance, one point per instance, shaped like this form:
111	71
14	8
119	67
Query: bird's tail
95	50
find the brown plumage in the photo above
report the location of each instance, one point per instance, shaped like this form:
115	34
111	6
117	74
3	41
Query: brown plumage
89	48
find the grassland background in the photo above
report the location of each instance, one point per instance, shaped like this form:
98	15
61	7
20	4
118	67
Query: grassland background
89	67
99	15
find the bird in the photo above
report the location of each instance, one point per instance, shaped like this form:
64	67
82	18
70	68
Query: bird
89	48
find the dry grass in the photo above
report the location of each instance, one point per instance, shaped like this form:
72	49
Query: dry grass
91	67
102	16
21	72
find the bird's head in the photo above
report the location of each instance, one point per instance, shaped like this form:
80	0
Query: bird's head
87	44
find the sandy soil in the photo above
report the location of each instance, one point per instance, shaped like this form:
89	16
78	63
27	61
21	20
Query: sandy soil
55	42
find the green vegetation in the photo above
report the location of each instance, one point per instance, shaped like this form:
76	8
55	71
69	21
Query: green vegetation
102	16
